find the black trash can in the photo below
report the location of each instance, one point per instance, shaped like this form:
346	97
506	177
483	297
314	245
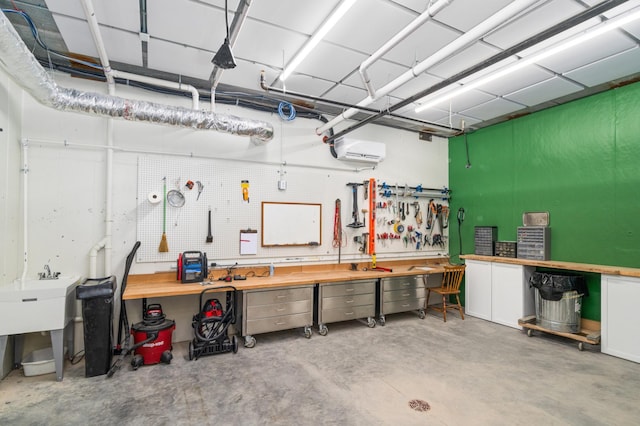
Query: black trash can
559	300
97	314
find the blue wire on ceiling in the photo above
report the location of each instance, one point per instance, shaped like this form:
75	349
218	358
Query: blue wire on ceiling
36	36
286	116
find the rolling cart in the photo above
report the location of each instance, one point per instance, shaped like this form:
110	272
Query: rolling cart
211	324
586	334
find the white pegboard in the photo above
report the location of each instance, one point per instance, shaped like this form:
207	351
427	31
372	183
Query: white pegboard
187	226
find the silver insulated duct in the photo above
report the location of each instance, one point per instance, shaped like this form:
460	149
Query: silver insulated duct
25	70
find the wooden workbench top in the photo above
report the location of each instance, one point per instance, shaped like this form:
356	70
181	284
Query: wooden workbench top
164	284
554	264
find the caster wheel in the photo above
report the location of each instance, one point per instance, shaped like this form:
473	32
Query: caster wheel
191	352
529	332
166	357
249	341
137	361
323	330
307	332
234	342
421	314
382	320
371	322
581	346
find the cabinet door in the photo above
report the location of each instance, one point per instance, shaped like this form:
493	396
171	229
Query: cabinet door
478	289
511	298
620	333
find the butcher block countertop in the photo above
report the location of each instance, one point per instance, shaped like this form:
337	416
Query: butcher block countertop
555	264
162	284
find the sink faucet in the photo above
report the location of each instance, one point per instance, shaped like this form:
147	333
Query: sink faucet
47	275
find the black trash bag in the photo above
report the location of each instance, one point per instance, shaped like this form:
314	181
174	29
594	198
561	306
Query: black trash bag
553	286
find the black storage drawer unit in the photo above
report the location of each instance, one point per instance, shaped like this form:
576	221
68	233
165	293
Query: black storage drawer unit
485	237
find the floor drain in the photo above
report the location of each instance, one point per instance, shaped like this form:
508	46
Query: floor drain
419	405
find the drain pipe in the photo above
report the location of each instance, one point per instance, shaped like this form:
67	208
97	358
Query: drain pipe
25	221
458	44
106	242
395	40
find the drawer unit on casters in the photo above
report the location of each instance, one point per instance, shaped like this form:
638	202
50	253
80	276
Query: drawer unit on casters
401	294
277	309
346	300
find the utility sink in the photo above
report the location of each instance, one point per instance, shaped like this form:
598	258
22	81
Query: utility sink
39	305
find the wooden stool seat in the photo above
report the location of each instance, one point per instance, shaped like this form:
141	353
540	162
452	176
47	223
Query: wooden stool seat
451	280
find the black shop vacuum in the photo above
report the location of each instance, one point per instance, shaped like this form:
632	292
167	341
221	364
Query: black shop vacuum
211	325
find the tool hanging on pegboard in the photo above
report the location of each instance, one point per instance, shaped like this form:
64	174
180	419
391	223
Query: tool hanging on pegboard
245	190
337	228
372	218
356	217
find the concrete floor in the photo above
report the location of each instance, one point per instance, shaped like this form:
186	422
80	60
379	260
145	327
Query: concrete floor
469	372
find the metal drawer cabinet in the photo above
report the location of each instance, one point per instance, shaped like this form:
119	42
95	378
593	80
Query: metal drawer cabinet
401	294
277	309
343	301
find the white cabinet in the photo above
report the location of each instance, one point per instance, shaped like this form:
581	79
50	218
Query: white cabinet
498	292
620	334
477	289
511	297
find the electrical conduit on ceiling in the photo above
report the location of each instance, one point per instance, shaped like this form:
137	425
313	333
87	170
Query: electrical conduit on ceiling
393	41
455	46
516	49
25	70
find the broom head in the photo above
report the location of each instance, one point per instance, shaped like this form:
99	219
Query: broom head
164	246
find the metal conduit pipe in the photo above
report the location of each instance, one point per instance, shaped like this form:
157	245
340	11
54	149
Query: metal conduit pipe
532	41
469	37
25	70
393	41
267	88
195	94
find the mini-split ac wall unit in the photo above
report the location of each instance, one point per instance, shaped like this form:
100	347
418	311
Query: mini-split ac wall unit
349	149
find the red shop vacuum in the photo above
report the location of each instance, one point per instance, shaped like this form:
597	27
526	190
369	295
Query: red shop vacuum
152	335
152	338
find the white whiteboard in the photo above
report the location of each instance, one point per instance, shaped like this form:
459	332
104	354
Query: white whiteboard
291	224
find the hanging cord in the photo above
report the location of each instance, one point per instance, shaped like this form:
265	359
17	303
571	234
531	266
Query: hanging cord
460	220
284	115
338	241
337	226
226	17
466	145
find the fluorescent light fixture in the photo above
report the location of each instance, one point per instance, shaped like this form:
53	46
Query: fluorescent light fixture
319	35
600	29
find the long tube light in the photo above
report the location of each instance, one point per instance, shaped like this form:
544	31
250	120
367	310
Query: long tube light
319	35
587	35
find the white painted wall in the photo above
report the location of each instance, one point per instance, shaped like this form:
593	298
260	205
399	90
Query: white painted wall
67	185
10	241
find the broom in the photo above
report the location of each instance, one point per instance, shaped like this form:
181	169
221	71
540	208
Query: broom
164	247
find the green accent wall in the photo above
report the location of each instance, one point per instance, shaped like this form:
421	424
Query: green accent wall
579	161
